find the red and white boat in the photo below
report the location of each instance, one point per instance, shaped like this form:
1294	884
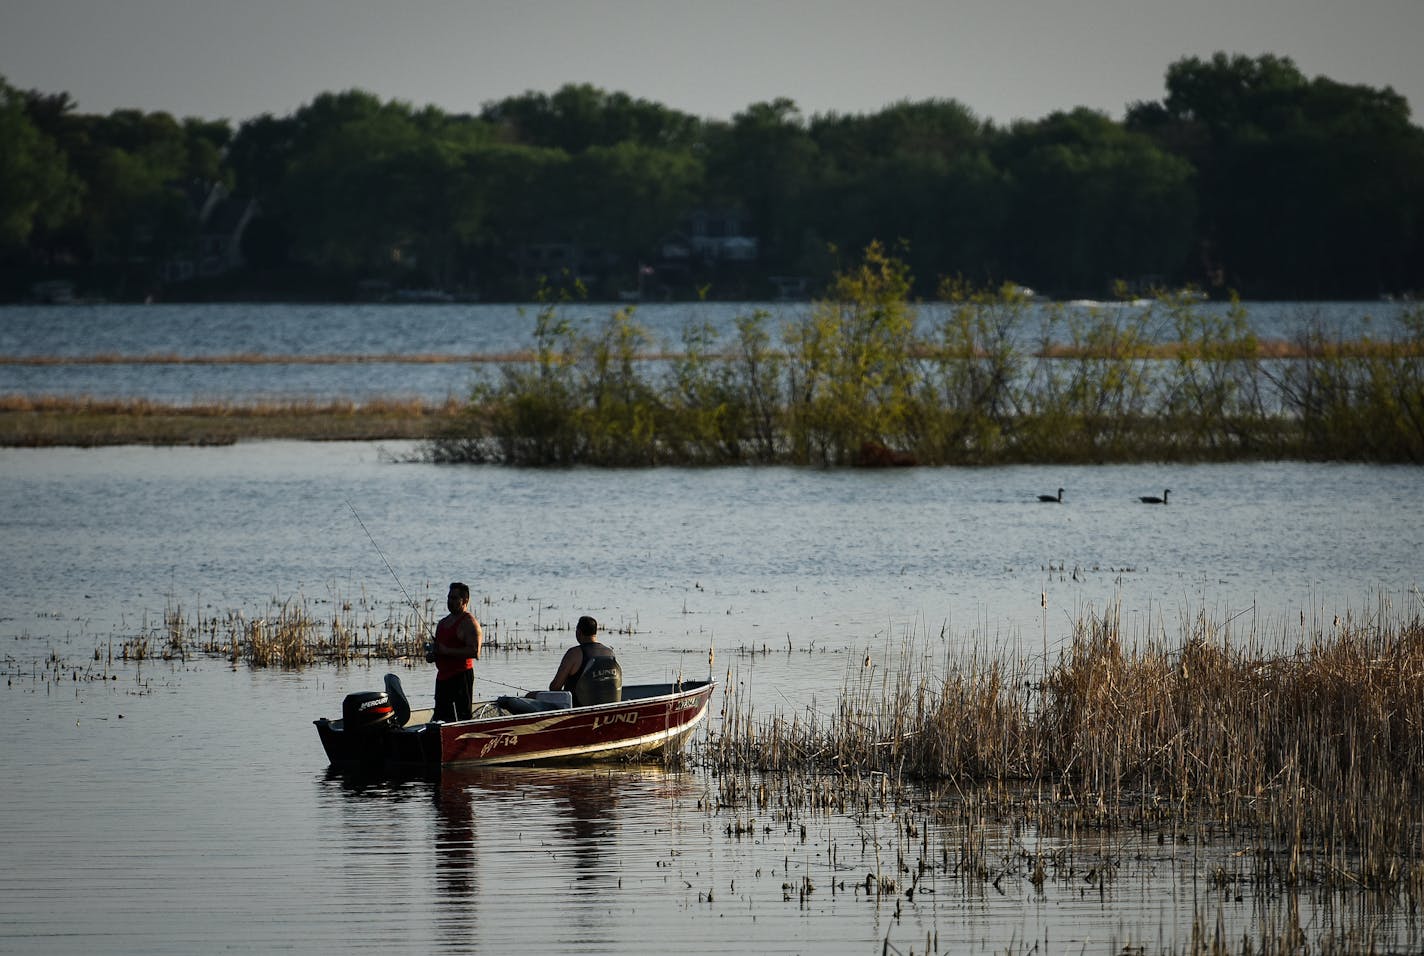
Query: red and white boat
378	729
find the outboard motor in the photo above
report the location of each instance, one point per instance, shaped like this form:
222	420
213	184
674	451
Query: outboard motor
367	712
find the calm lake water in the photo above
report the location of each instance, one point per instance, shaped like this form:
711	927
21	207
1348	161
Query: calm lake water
185	806
412	330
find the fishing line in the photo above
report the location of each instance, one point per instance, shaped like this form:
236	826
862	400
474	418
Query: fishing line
413	606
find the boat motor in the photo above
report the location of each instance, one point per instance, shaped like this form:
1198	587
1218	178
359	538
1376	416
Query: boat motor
367	712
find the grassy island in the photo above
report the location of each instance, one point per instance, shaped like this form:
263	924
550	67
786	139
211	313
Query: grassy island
859	380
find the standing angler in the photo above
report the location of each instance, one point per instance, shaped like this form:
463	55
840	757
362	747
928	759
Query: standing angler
458	639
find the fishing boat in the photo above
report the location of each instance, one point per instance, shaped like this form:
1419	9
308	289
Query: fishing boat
379	730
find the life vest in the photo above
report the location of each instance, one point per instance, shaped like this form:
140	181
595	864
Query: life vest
598	681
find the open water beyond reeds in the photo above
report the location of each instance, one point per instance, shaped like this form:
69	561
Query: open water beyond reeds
159	799
330	352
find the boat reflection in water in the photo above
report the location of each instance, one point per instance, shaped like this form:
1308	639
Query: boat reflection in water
572	817
553	844
492	857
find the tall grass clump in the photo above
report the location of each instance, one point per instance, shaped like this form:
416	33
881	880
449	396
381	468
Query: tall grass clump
291	634
1319	750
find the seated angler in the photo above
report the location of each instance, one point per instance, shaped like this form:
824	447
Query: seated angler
589	670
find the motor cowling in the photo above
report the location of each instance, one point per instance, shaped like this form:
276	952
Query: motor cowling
367	712
399	704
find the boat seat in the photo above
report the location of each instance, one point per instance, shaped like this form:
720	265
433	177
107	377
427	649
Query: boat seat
534	704
526	705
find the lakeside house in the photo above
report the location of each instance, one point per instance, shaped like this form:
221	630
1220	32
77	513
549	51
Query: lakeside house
216	249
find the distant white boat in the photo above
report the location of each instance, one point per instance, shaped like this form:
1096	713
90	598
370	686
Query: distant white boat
1023	292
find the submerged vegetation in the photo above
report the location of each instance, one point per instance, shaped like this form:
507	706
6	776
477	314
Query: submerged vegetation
299	632
859	381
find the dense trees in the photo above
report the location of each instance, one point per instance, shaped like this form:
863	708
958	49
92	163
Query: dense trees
1246	176
36	185
1307	185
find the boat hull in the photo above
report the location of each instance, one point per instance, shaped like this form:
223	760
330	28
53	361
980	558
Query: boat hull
650	719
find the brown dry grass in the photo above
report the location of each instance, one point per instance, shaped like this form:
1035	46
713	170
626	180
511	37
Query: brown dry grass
262	358
1314	759
86	422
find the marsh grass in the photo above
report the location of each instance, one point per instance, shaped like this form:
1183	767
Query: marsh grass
297	632
85	422
1312	760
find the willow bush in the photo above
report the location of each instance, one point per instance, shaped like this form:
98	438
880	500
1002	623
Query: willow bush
1359	399
852	373
860	380
968	396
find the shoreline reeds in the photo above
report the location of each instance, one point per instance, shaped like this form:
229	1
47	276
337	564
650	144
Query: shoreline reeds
1311	759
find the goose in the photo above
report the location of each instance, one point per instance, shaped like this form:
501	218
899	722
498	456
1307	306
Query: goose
1058	500
1154	500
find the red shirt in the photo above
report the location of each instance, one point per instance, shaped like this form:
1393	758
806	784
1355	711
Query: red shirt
447	638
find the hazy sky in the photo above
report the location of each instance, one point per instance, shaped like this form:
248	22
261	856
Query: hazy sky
1004	59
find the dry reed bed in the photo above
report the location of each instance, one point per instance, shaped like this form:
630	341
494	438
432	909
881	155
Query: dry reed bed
295	633
144	407
1315	758
48	421
266	358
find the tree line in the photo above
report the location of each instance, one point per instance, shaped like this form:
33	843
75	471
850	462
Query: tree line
1247	176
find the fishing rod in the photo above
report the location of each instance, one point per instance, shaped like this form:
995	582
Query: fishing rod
413	606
